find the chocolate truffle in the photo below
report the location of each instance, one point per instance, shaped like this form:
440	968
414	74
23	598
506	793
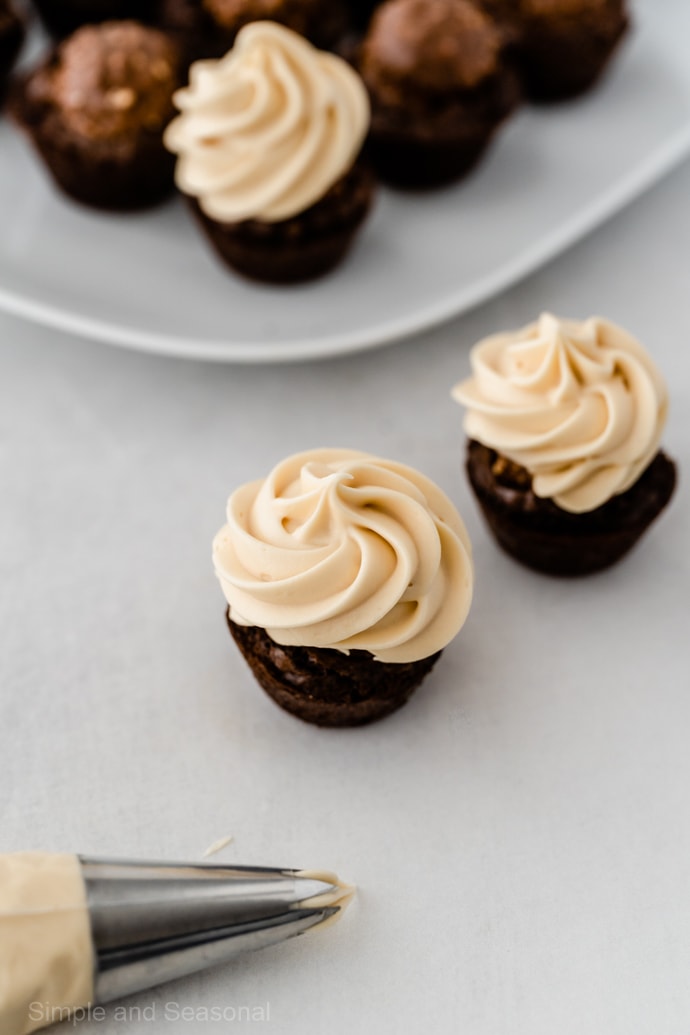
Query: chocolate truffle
439	88
565	422
96	110
346	575
11	39
273	175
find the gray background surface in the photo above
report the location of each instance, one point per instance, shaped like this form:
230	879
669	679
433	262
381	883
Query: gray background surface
520	832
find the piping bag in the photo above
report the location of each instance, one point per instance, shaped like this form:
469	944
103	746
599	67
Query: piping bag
77	931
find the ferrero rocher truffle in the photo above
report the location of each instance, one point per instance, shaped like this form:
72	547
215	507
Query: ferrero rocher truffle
114	80
431	45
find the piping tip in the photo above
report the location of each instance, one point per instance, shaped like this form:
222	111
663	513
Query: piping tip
154	922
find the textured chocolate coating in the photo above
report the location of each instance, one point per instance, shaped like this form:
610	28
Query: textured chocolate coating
113	80
301	248
96	110
432	45
542	536
324	686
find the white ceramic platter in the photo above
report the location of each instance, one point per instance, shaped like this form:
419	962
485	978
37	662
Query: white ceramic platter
149	282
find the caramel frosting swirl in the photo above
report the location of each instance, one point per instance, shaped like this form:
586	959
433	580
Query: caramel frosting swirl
266	131
581	406
340	549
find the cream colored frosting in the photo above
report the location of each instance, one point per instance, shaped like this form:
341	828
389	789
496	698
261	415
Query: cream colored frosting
266	131
581	406
336	548
46	953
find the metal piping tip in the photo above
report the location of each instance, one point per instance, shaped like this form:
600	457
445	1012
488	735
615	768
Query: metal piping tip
154	922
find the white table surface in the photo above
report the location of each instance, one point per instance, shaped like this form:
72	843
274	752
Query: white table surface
520	832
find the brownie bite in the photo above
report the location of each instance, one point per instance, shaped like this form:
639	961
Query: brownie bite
61	17
278	188
96	111
564	420
208	28
11	38
439	88
546	538
561	46
346	576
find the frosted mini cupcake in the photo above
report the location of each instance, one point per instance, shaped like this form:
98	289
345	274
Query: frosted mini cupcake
345	576
268	144
565	421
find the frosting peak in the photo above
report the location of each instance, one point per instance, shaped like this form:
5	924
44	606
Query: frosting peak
266	131
339	549
581	406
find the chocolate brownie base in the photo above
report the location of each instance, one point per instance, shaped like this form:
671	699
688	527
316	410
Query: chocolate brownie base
326	687
563	56
430	142
439	89
540	535
61	17
128	171
105	178
301	248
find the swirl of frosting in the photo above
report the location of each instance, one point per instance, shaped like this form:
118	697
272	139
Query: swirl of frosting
266	131
340	549
580	406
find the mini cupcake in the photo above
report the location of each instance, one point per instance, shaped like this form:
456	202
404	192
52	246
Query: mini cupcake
208	28
268	144
346	575
96	111
562	46
565	421
11	39
62	17
439	88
